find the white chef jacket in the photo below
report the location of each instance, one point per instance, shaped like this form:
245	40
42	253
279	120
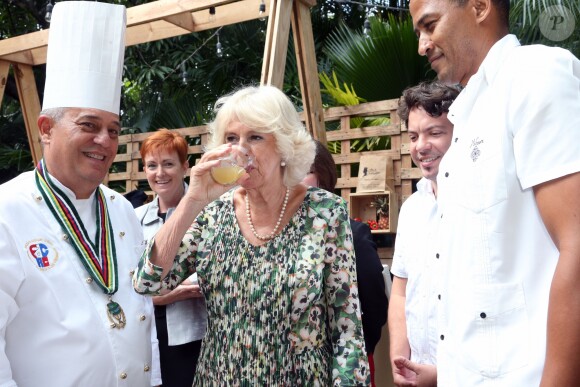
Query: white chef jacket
413	260
54	328
187	319
516	126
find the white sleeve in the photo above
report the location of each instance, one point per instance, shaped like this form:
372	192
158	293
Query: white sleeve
545	122
11	277
399	267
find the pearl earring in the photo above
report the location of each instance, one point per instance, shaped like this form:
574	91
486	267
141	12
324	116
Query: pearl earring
283	163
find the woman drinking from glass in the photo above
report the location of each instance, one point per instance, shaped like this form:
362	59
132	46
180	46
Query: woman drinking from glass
274	258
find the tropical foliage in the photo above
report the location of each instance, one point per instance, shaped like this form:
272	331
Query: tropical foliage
381	65
527	16
369	62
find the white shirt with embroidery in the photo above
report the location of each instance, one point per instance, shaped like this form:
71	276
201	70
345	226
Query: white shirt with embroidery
516	126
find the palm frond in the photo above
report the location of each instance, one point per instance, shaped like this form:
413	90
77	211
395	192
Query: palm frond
342	97
381	66
526	17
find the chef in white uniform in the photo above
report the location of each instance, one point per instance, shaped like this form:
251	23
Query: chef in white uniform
68	244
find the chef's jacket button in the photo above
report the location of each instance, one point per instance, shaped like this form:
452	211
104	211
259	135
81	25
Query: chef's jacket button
38	198
456	138
112	197
441	216
122	234
142	317
482	315
437	255
131	273
146	368
123	375
439	296
89	280
446	174
442	337
65	237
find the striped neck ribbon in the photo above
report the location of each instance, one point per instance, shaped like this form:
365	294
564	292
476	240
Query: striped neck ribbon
98	257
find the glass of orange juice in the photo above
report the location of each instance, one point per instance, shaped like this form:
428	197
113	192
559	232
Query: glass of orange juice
232	166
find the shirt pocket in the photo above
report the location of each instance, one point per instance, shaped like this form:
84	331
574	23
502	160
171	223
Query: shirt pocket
481	183
493	332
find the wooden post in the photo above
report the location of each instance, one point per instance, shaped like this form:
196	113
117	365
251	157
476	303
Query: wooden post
345	169
308	70
276	46
405	163
275	51
30	104
4	69
132	165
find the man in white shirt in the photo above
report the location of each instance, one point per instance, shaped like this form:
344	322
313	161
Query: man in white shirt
68	244
412	314
509	232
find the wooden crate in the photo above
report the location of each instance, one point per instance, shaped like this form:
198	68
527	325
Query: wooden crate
359	205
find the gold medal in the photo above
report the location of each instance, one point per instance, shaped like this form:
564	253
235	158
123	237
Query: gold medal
116	314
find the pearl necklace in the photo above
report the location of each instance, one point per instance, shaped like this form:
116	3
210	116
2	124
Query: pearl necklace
271	235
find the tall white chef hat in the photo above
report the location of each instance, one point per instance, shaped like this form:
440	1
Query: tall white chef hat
86	48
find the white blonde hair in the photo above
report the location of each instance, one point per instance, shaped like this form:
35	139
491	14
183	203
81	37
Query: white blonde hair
266	109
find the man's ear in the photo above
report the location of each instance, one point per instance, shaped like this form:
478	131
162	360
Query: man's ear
45	124
482	9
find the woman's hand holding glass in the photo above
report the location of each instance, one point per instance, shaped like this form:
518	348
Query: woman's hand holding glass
217	170
232	166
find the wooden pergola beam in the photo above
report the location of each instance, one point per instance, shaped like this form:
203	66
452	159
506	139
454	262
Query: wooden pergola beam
4	69
30	104
308	70
182	20
161	9
276	46
33	57
228	14
23	42
175	18
140	14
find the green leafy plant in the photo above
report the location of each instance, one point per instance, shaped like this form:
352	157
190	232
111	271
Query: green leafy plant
381	203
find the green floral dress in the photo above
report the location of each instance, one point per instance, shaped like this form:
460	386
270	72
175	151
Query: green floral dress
285	313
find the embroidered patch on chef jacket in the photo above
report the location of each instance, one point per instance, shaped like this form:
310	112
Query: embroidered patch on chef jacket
42	253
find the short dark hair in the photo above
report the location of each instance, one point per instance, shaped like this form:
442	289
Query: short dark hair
502	6
324	167
433	97
503	9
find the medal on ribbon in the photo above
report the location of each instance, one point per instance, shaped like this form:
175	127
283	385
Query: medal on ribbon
98	257
116	314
